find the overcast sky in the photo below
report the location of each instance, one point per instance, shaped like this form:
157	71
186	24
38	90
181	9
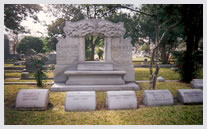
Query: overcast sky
38	29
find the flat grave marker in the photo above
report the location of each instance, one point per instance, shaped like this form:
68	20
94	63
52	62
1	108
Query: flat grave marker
35	99
80	101
121	100
190	96
157	98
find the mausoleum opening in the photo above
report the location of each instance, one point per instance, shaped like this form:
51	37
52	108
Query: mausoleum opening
94	48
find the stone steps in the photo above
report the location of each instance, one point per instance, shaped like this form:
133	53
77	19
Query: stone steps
60	87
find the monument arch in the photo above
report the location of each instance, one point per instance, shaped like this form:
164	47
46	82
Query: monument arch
72	72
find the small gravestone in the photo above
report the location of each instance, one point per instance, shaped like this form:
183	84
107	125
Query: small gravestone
25	75
121	100
80	101
160	79
32	99
190	96
157	98
197	83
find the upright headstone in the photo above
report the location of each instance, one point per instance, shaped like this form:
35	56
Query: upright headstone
35	99
190	96
157	98
80	101
121	100
197	83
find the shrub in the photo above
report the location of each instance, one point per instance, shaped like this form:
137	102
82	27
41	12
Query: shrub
38	62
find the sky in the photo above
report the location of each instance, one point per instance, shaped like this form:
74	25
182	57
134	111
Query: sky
38	29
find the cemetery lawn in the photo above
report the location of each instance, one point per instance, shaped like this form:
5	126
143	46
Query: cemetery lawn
55	115
167	73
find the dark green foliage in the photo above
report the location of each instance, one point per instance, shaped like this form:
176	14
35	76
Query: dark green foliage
6	47
38	62
196	62
15	13
192	18
30	42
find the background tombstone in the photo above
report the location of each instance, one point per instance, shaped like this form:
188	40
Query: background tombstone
121	100
197	83
157	98
25	75
80	101
160	79
32	99
190	96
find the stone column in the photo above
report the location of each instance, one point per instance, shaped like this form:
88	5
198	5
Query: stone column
81	49
107	49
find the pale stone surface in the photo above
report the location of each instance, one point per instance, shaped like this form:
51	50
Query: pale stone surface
51	58
190	96
96	66
32	99
157	97
60	87
160	79
80	101
70	55
197	83
121	100
95	77
25	75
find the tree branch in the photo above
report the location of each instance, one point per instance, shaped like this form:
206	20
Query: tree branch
151	15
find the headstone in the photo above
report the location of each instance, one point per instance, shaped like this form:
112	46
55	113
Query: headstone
80	101
190	96
32	99
25	75
51	58
121	100
197	83
160	79
157	98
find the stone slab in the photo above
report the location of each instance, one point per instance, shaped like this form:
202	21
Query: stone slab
60	87
35	99
197	83
190	96
93	66
95	77
121	100
157	98
80	101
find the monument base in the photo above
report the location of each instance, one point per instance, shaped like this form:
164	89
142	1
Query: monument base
60	87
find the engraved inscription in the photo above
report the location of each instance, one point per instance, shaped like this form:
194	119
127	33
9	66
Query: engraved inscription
159	97
30	96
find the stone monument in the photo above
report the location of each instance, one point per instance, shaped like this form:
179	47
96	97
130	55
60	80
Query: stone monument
32	99
121	100
190	96
157	98
80	101
72	72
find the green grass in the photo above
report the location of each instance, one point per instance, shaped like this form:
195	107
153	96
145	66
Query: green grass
18	74
13	75
20	80
12	65
140	59
56	115
167	73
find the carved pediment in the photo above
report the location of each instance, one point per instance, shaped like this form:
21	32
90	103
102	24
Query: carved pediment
94	27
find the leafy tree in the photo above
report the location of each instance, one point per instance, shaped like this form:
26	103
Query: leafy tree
192	18
15	13
30	42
